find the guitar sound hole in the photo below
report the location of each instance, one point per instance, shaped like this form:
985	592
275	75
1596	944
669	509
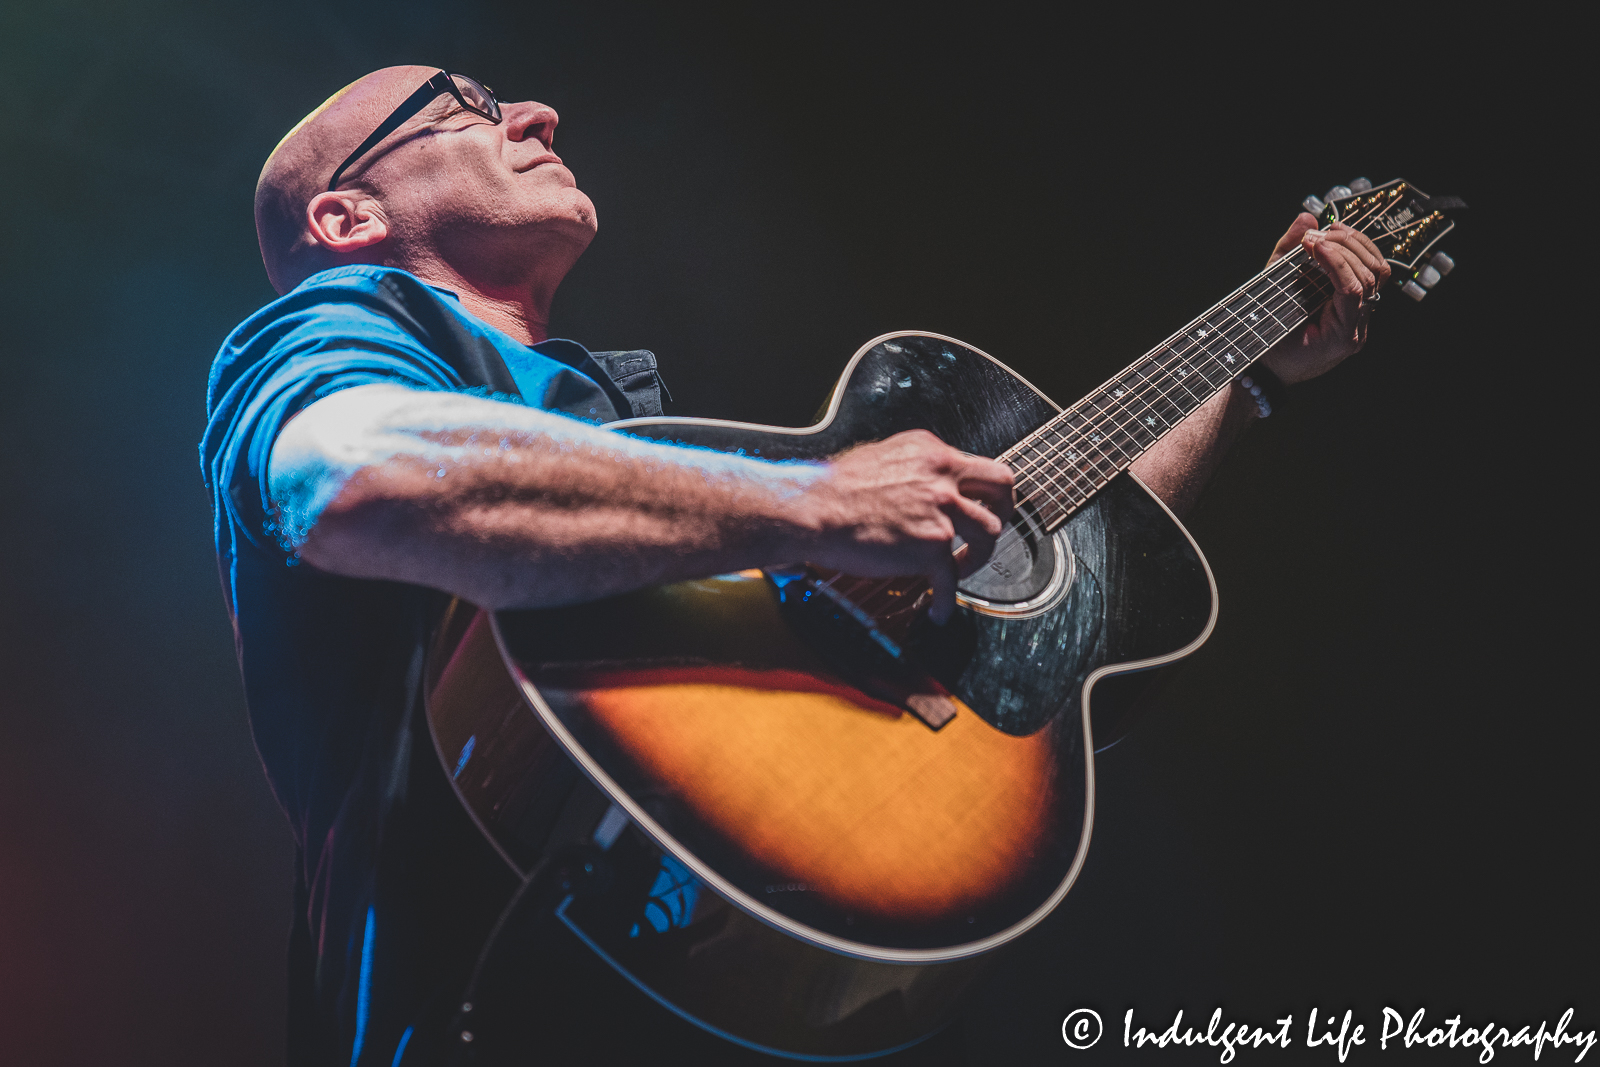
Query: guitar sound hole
1029	571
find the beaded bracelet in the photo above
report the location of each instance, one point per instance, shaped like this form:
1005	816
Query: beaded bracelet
1263	405
1266	387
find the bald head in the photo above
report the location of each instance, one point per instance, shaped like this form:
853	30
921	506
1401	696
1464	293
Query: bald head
480	207
299	168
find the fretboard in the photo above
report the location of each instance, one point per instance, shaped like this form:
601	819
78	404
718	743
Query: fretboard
1067	460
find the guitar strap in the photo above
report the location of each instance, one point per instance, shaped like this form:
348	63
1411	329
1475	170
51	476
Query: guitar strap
629	381
629	385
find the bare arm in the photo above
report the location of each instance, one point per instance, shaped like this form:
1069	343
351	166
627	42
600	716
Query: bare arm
1178	467
1181	463
514	507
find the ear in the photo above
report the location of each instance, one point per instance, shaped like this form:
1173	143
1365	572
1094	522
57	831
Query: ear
346	220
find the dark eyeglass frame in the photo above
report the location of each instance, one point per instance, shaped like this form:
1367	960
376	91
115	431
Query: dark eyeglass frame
442	82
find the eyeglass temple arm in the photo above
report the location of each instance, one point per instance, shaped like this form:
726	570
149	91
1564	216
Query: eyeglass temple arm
439	83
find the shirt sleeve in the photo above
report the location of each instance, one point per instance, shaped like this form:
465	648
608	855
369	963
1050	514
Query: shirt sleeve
274	366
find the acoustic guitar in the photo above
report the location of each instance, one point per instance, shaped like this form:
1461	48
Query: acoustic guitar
818	812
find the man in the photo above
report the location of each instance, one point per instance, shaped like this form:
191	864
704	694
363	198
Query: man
368	454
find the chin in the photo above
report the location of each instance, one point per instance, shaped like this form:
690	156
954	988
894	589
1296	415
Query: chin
574	228
581	216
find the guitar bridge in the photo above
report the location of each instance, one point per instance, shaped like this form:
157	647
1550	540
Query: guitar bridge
875	652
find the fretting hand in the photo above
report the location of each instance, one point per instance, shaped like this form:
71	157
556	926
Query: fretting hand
1357	270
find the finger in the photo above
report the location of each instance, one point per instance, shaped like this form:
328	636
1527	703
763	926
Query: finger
966	510
987	480
1362	247
998	500
1345	321
1342	312
980	540
942	576
1291	239
1330	258
1341	266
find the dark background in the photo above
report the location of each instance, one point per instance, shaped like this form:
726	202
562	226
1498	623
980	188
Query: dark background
1372	787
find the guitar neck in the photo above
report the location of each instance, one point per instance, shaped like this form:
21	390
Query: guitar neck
1067	460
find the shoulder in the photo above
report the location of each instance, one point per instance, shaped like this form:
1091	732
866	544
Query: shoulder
367	308
342	294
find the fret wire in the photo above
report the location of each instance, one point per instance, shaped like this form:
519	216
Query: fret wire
1063	451
1124	405
1295	267
1104	434
1180	378
1154	391
1145	397
1292	266
1083	452
1224	359
1242	321
1153	381
1263	305
1166	419
1298	287
1142	422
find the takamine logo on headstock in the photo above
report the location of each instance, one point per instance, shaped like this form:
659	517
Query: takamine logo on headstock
1404	222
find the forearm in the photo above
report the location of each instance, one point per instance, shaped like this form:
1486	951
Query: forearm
511	506
1178	466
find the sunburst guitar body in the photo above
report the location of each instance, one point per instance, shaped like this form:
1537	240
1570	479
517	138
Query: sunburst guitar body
819	812
822	810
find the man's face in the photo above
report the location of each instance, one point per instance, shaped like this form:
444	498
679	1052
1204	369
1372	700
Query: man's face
486	198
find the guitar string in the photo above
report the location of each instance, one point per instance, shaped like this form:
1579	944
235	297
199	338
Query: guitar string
1359	222
1010	541
1297	261
1100	417
1162	377
1098	409
1104	418
1153	385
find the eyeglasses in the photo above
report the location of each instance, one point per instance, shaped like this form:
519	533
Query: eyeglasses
470	93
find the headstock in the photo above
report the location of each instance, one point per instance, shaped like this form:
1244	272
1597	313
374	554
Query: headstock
1403	221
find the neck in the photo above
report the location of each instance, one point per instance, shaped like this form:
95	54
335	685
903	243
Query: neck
1067	460
520	308
524	318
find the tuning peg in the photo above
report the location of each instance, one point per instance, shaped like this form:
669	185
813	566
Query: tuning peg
1360	185
1313	205
1428	277
1413	290
1442	263
1336	192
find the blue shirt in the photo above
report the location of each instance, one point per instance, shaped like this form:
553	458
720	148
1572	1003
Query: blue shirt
332	665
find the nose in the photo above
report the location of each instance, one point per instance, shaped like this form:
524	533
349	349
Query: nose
530	120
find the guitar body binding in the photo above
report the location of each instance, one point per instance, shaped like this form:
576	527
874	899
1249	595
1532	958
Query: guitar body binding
807	868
